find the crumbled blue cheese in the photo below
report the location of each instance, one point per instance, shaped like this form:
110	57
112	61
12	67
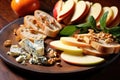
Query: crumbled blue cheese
39	45
38	60
14	50
33	48
21	58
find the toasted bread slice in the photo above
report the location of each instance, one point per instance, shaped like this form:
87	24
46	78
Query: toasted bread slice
108	48
30	22
92	51
47	23
24	32
100	45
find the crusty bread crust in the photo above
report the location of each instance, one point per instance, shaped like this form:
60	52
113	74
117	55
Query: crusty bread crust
47	23
92	51
100	47
106	48
23	32
30	22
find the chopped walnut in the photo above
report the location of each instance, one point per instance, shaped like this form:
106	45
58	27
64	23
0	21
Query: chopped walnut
108	38
7	43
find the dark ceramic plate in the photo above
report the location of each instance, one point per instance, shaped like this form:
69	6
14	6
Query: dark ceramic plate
7	33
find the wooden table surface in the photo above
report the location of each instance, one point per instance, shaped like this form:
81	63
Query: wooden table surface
110	72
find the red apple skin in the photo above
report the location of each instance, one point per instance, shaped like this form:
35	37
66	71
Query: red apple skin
57	8
68	13
80	16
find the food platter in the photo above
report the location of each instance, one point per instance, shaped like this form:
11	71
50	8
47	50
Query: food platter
7	33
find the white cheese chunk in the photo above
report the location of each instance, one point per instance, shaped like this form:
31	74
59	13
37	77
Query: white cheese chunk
15	50
32	48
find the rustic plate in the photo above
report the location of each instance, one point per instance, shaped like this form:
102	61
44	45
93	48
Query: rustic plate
7	33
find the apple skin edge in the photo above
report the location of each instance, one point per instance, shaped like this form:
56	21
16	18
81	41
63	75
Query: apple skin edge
66	10
86	60
57	8
81	8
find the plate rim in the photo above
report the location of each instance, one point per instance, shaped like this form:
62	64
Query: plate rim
67	72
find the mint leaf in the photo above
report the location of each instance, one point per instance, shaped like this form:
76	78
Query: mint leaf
68	30
92	21
103	22
83	25
115	31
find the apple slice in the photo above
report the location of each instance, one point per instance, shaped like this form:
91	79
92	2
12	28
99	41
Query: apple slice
109	16
67	9
67	48
80	9
88	6
57	8
95	10
115	14
76	1
81	60
73	42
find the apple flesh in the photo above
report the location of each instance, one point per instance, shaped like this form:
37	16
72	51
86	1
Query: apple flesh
57	8
95	11
109	16
81	60
67	9
80	9
73	42
115	14
66	48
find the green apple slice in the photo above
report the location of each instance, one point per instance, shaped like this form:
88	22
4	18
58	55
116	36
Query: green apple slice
81	60
66	48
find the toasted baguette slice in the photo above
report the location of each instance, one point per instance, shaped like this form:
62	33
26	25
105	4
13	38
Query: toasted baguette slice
47	23
24	32
107	48
30	22
92	51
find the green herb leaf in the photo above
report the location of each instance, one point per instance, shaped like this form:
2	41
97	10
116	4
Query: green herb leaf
103	22
68	30
92	21
83	25
90	24
115	31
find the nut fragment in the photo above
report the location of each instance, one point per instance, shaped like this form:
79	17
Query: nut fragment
7	43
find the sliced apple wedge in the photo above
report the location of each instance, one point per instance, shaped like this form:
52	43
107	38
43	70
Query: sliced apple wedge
67	48
76	1
73	42
88	6
109	16
81	60
57	8
115	14
95	10
80	9
67	9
